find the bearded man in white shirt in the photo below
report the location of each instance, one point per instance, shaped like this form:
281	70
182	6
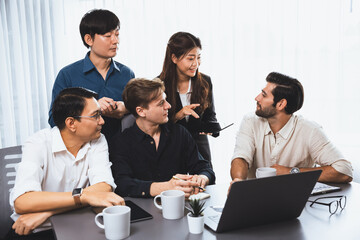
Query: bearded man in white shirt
63	168
276	138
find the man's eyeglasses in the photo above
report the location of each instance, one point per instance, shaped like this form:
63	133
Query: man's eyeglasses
96	116
334	205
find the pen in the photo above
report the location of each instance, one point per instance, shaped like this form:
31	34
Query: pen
176	178
114	107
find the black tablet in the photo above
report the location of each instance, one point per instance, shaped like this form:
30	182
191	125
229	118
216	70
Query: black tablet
227	126
137	213
213	127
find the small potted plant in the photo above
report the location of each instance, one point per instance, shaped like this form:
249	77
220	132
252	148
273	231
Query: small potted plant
195	217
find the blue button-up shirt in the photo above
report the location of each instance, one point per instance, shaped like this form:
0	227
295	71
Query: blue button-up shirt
83	73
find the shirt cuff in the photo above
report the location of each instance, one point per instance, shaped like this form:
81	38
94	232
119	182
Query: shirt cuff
209	176
15	193
245	159
343	167
110	183
145	189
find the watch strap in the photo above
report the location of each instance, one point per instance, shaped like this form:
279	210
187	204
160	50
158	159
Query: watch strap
76	194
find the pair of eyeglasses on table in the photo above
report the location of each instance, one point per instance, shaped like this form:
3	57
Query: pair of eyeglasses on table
333	205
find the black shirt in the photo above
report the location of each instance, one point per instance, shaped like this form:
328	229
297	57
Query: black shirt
137	163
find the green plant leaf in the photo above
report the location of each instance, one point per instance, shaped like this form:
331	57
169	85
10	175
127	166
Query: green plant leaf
197	207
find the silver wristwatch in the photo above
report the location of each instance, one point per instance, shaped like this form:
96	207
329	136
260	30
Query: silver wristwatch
76	194
294	170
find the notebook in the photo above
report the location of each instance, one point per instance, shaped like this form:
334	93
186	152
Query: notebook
262	201
321	188
199	196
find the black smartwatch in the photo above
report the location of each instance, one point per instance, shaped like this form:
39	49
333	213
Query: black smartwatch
294	170
76	194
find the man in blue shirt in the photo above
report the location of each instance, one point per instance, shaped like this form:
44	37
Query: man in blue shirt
99	31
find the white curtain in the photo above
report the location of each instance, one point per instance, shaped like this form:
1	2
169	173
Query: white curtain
26	68
316	41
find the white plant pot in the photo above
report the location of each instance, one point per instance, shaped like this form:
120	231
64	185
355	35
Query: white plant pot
196	224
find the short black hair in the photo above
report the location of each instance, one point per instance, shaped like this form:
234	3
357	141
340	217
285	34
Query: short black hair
70	102
140	92
287	88
98	21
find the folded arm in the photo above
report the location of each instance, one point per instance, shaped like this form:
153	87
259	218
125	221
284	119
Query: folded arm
26	223
239	169
99	194
329	174
36	207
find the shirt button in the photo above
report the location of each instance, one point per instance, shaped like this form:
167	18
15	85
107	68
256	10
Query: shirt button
152	142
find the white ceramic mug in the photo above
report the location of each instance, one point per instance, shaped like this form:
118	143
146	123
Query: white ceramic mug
116	222
265	172
172	204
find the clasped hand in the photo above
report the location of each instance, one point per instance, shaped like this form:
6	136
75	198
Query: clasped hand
189	184
26	223
111	108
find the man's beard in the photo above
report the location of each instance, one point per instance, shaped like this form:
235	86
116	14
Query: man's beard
266	112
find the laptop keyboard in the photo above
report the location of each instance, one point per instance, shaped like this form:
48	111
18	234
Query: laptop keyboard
215	218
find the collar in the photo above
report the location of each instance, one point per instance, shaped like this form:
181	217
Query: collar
267	130
285	131
189	88
58	144
139	135
88	65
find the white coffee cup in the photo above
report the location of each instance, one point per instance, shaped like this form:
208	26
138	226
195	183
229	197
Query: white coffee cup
172	204
265	172
116	222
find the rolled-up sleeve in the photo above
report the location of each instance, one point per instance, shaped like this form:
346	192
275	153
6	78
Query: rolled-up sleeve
29	172
325	153
245	142
99	164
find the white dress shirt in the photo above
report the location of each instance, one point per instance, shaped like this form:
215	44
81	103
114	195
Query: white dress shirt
300	143
47	165
185	98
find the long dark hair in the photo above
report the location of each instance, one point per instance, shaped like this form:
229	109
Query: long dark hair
180	44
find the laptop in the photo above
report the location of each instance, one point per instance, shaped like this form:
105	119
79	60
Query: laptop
262	201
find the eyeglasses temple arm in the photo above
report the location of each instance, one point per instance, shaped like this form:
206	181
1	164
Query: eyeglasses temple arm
312	203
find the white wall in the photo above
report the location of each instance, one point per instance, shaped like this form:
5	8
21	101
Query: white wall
316	41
